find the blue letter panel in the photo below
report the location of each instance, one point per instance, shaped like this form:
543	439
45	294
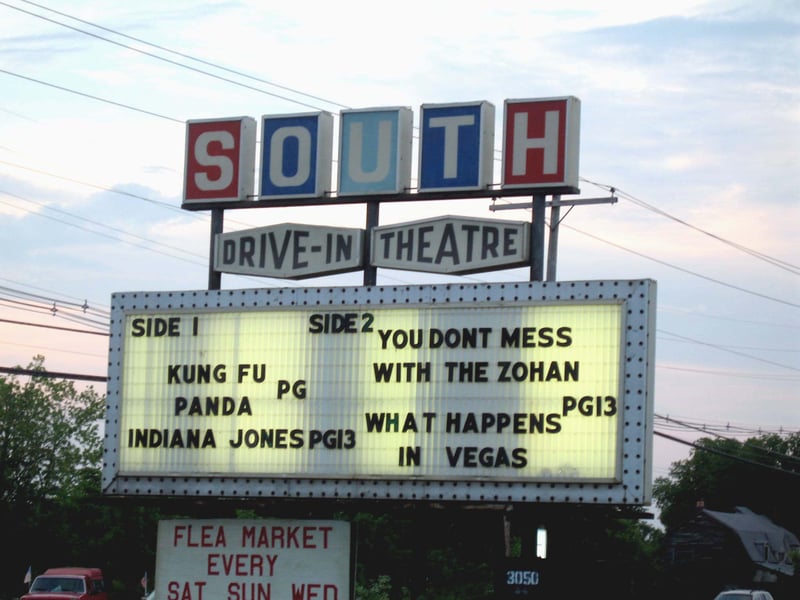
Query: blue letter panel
295	155
456	140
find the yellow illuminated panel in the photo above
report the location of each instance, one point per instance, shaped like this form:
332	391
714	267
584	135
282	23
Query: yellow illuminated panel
501	392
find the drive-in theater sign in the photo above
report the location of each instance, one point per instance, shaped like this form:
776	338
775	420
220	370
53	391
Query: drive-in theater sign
456	153
503	392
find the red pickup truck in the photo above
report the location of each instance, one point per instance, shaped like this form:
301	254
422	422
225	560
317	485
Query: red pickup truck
68	583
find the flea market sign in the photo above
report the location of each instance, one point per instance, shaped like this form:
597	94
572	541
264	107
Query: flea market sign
254	559
349	387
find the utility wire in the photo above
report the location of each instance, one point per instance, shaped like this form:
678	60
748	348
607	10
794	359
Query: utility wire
93	97
776	262
39	348
766	376
52	374
52	310
746	443
105	235
114	238
728	428
633	199
98	224
727	455
192	213
29	324
574	229
183	55
193	254
167	205
695	313
166	60
722	348
33	287
83	309
781	264
687	271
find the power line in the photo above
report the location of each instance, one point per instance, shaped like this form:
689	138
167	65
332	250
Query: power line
83	307
161	58
52	310
748	444
781	264
171	247
726	455
114	238
39	348
632	198
663	213
33	287
731	432
181	54
724	349
93	97
98	224
776	262
192	213
693	312
728	374
111	237
52	374
684	270
29	324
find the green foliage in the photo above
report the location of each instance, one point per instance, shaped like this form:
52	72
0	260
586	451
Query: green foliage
424	553
51	508
49	434
375	589
762	473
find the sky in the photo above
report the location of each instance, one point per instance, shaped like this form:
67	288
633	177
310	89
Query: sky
690	112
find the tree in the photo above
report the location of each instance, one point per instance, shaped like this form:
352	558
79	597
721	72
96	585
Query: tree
762	473
50	446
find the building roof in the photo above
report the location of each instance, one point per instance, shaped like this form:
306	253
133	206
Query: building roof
767	544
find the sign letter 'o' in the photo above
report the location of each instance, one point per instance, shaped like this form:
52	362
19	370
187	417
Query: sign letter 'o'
276	161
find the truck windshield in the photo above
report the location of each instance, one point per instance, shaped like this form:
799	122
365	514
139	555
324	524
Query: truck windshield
58	584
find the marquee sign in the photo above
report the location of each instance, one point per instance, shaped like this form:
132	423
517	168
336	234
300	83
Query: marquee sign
456	152
520	392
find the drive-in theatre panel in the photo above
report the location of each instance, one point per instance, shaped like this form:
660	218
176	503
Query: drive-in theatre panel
532	389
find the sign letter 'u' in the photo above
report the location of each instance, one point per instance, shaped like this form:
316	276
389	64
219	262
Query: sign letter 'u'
375	151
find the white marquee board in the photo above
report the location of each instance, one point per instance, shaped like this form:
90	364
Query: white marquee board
510	392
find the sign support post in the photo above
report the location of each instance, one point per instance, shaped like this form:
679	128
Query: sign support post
214	276
537	237
371	271
552	239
